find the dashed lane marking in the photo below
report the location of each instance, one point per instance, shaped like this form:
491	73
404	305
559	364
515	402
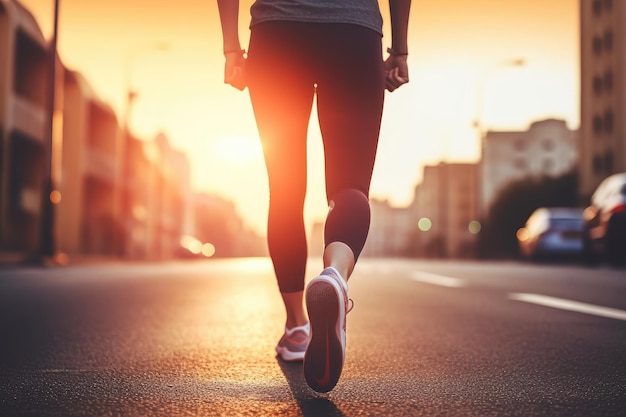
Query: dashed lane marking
436	279
538	299
569	305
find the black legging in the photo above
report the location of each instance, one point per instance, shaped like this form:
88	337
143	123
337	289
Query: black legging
288	63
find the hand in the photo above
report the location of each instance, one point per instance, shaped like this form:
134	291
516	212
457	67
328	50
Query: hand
235	70
396	72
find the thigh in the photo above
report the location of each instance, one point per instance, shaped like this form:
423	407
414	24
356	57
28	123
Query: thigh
350	102
281	94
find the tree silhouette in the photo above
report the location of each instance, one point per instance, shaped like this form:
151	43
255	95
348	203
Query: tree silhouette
515	203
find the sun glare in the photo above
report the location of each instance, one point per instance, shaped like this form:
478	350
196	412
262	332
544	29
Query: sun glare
238	150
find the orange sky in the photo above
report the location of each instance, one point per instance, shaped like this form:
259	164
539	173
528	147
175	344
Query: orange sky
455	45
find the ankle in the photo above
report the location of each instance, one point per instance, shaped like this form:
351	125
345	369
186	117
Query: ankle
294	309
303	327
340	273
339	256
290	323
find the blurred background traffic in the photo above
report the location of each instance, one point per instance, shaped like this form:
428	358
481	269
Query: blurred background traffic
76	180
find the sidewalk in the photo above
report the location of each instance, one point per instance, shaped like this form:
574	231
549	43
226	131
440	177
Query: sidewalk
17	259
12	258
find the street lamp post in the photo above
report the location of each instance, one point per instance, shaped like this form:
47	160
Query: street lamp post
46	244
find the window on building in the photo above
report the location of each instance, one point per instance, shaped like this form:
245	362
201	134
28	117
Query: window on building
608	40
547	144
597	84
520	145
597	7
597	165
30	65
520	164
608	80
608	121
548	166
597	45
608	161
597	124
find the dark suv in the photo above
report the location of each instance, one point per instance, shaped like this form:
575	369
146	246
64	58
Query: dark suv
605	222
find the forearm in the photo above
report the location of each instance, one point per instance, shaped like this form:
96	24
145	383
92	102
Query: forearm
229	19
399	11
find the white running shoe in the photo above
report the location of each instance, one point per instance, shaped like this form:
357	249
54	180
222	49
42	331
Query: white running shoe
327	304
293	343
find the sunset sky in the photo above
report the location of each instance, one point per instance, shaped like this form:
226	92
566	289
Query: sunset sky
170	53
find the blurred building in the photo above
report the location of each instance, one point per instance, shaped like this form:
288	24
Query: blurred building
155	198
445	211
390	230
547	148
442	220
23	126
86	222
115	195
175	196
603	92
218	225
389	235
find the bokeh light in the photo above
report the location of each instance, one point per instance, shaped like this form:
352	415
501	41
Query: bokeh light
474	227
425	224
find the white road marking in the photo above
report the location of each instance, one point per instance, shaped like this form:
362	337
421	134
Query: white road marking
569	305
435	279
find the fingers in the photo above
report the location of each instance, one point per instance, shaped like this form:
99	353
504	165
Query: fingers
235	71
396	72
394	79
236	78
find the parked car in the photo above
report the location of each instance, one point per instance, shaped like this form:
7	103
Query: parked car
604	234
552	233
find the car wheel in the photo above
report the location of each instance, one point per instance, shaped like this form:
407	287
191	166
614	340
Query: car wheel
590	256
615	248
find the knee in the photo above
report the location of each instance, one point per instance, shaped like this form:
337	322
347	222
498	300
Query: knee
348	219
348	196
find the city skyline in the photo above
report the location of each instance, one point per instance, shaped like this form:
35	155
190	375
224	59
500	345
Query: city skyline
458	51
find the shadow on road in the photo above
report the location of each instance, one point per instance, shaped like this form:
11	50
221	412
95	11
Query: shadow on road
311	403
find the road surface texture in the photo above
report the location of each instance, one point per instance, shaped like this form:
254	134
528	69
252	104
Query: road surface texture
425	338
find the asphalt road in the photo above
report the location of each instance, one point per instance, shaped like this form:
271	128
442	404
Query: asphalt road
425	338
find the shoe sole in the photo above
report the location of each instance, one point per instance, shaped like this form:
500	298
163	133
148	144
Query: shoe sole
289	356
324	357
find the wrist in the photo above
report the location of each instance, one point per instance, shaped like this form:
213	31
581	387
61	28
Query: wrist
237	51
397	52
